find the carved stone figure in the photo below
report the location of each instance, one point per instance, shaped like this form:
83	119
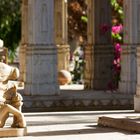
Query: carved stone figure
10	100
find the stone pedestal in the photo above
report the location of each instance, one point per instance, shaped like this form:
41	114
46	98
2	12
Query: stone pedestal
12	132
41	59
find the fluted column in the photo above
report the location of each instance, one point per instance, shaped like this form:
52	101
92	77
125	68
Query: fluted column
127	85
99	51
41	59
24	40
61	36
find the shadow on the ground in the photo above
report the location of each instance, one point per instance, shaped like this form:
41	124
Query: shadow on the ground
91	130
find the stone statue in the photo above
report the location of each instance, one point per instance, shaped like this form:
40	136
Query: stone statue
10	100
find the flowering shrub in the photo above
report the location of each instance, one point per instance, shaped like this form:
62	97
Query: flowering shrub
116	63
104	28
117	20
116	29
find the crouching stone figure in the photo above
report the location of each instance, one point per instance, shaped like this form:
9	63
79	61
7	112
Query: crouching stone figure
10	100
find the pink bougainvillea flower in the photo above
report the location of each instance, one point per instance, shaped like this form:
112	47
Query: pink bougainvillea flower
118	47
104	28
117	29
116	61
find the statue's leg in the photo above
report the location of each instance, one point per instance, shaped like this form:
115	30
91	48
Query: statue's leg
19	116
18	106
4	114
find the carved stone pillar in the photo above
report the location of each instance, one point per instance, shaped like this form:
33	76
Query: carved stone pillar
131	25
132	39
61	34
41	64
24	40
99	51
89	55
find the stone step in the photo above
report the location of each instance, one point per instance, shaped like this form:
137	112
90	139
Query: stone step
12	132
128	124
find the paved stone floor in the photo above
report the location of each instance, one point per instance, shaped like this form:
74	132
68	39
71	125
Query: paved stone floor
73	126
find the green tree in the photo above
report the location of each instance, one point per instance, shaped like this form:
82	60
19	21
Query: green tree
10	24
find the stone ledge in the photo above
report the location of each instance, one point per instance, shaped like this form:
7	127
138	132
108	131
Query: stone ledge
13	132
132	125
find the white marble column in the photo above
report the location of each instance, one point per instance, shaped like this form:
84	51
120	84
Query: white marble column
99	51
24	40
131	26
61	36
41	55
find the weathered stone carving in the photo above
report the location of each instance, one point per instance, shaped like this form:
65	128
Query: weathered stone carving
10	100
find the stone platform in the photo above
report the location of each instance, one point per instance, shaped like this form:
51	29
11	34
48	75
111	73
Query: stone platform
13	132
69	100
128	123
74	98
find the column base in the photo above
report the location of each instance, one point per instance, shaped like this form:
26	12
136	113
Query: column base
103	59
41	70
137	103
127	87
128	70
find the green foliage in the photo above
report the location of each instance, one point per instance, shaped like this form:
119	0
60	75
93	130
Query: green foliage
84	19
117	37
10	24
77	19
117	9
